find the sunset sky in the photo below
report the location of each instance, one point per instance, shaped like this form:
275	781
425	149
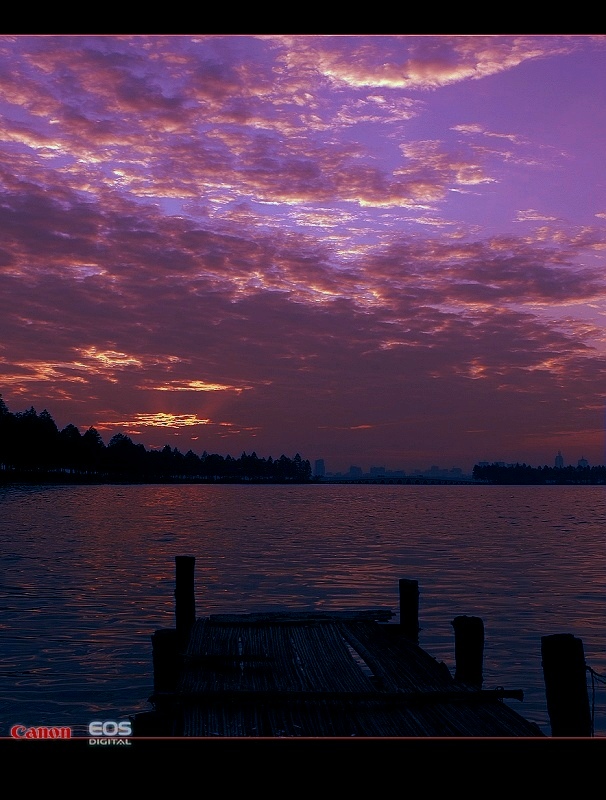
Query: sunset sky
376	250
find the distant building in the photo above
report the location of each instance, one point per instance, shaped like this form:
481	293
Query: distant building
319	468
355	472
582	462
376	471
559	461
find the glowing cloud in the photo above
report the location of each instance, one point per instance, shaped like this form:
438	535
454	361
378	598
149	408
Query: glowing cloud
157	420
110	358
197	386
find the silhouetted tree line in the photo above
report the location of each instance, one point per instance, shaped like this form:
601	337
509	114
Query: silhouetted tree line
522	473
33	448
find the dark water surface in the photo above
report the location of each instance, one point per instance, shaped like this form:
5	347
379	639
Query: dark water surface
87	575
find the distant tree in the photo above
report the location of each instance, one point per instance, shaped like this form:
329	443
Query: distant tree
166	461
178	463
26	451
93	449
524	474
213	466
251	466
31	442
124	457
69	449
305	470
7	436
301	469
48	441
230	467
192	464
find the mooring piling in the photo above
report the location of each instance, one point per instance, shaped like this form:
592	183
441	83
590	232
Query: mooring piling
185	598
469	650
409	609
565	674
166	660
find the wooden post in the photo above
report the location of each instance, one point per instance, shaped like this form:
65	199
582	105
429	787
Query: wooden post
564	671
185	601
166	660
469	650
409	609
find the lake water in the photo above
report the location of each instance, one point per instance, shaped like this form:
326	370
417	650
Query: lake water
87	575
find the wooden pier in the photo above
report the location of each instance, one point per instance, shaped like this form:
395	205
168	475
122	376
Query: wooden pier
318	674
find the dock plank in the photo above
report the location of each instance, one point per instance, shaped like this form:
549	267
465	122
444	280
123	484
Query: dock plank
335	675
316	674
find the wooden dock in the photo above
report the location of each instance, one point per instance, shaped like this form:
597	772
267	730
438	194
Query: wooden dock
318	674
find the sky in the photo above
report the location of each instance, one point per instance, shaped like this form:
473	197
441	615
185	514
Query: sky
375	250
